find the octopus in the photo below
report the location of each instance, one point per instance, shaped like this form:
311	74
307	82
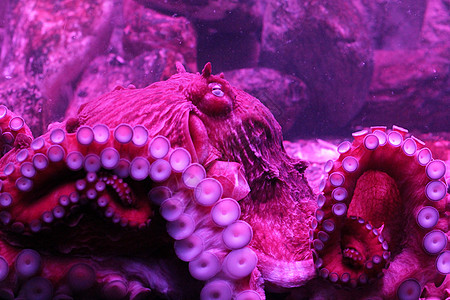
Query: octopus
183	190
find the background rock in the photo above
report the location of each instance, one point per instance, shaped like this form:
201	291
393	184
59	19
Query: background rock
326	44
48	46
436	23
410	88
361	62
411	79
227	50
47	49
286	96
206	10
147	30
229	32
24	97
107	72
394	24
143	49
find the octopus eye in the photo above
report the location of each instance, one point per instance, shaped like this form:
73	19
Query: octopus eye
211	96
216	89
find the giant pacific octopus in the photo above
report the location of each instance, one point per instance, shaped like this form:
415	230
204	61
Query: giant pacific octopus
182	190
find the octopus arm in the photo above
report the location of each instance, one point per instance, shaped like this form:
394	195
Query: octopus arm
380	222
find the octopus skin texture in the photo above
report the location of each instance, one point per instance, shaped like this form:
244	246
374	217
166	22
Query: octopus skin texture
382	224
181	190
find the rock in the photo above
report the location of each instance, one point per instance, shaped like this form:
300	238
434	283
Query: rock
107	72
286	96
46	48
64	39
436	23
20	93
210	10
51	44
56	55
228	31
228	51
326	44
394	24
23	96
410	83
410	89
147	30
145	51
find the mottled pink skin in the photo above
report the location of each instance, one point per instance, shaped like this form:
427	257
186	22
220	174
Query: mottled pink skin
236	127
221	127
226	128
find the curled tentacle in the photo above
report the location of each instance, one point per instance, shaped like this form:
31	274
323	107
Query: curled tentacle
381	207
158	182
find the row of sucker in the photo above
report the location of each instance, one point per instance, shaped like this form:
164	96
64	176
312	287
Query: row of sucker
201	218
331	216
204	222
27	277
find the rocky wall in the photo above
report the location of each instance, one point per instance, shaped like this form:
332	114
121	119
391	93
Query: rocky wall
323	67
